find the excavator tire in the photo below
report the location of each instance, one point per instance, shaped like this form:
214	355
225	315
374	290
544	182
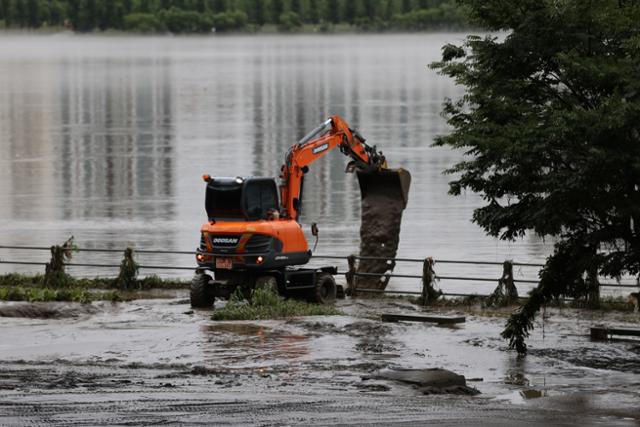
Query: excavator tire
201	292
325	289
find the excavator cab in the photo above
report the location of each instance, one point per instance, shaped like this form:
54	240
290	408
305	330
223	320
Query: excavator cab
245	237
240	198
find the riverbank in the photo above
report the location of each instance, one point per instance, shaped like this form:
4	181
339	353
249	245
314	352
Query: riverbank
307	29
153	17
26	287
33	288
158	361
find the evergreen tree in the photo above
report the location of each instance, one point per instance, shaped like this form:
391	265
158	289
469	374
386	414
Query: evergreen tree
277	8
9	12
219	6
388	10
58	11
550	123
32	13
73	9
350	11
371	8
314	12
332	11
111	17
145	6
44	13
296	7
85	15
21	13
259	14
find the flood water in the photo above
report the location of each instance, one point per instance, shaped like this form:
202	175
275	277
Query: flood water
155	361
106	139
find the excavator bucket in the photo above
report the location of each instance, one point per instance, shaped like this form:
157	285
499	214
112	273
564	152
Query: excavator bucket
392	183
384	196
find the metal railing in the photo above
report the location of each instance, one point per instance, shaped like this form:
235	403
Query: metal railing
350	274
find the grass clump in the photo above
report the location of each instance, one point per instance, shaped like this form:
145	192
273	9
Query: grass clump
44	294
17	279
55	275
128	277
265	303
33	294
607	303
155	282
149	282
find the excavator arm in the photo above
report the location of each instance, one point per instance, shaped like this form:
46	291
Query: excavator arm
330	134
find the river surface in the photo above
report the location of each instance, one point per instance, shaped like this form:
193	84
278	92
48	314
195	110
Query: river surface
106	139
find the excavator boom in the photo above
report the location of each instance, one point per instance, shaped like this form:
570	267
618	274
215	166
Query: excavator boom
332	133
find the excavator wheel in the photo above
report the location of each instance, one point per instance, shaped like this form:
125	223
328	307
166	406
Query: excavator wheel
325	290
201	292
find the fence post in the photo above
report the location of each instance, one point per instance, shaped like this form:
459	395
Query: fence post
128	271
428	278
54	271
593	287
351	275
506	292
511	291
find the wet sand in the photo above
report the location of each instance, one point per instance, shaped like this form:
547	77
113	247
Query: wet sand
157	361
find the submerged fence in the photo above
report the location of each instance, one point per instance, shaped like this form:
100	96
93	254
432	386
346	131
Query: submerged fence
427	278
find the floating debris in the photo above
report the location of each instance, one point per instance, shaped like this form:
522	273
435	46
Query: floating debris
431	381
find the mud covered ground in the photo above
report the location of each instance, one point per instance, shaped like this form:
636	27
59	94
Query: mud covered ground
158	362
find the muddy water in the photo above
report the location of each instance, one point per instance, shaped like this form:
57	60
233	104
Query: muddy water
157	361
106	138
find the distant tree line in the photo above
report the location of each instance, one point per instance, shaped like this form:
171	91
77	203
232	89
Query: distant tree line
199	16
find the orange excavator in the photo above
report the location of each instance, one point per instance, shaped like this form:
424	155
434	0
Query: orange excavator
253	238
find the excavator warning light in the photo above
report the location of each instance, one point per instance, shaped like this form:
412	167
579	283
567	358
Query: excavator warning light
206	177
